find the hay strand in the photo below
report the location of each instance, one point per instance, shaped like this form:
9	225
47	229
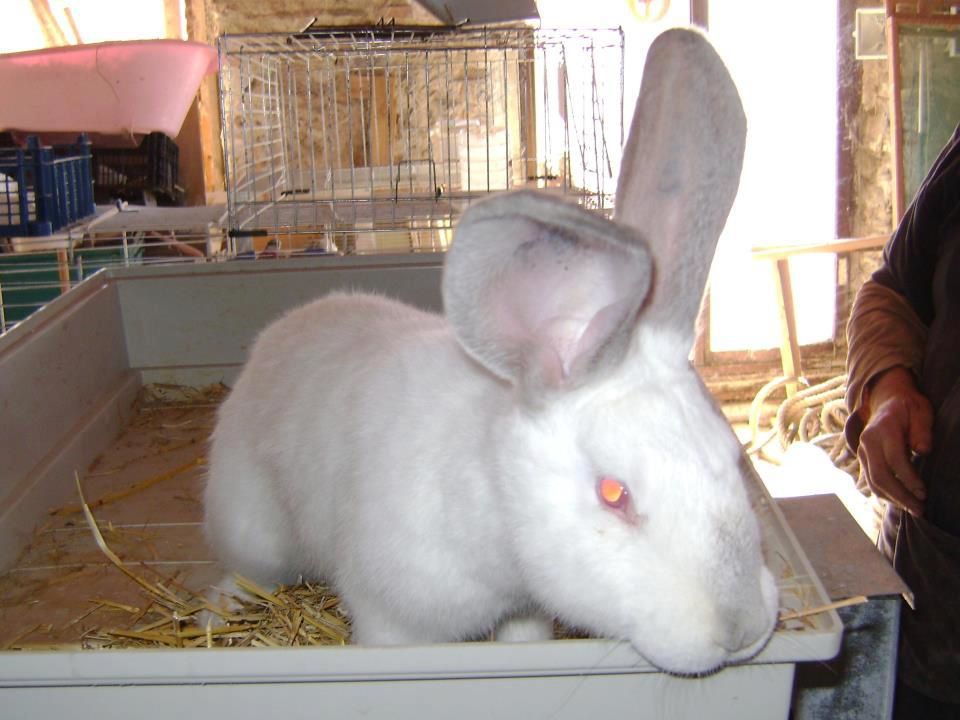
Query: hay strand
807	612
132	490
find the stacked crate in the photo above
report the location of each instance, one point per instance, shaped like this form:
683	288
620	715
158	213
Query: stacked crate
131	174
44	188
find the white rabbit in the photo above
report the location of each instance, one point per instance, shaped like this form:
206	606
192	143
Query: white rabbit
546	449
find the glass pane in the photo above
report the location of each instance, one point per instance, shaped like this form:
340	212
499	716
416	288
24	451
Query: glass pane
929	96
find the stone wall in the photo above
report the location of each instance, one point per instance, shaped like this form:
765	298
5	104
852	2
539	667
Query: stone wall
871	208
865	146
245	16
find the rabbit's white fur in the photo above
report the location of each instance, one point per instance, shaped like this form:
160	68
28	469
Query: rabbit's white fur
442	472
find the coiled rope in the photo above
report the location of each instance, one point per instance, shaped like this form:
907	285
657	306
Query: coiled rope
816	414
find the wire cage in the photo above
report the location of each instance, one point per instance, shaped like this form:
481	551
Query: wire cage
376	139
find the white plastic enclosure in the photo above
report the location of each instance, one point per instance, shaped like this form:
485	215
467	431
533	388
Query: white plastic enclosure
68	375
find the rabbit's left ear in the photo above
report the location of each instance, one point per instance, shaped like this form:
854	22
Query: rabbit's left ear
681	169
542	292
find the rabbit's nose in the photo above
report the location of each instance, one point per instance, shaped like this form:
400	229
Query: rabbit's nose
750	625
732	640
741	633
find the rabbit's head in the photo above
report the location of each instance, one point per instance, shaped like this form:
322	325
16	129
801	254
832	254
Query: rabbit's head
621	480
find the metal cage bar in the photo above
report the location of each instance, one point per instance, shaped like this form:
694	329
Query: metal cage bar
376	139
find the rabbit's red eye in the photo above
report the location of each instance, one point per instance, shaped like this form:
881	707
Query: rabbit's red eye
612	492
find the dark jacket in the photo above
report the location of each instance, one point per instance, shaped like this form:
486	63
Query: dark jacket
909	314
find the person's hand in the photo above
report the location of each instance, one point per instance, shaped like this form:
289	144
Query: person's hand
899	425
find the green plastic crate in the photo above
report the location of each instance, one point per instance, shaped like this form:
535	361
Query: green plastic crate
30	280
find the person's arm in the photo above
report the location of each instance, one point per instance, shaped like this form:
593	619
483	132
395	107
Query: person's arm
890	419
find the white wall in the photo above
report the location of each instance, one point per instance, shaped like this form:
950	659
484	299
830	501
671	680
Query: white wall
783	58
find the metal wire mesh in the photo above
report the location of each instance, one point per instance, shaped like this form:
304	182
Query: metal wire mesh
36	270
376	139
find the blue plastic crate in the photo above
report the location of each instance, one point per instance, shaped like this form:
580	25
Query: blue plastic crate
43	189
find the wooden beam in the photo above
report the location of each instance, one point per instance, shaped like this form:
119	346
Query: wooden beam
789	345
73	26
52	32
173	20
206	108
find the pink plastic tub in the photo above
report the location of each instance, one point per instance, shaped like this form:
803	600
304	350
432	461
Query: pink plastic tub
118	89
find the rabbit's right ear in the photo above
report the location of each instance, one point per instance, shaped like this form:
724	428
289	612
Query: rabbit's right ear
542	292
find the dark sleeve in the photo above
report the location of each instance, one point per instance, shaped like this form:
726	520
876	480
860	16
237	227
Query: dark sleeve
911	253
883	332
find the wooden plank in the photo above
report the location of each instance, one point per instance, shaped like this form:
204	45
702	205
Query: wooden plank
843	557
841	245
63	270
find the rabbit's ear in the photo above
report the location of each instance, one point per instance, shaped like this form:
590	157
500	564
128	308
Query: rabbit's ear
541	291
680	171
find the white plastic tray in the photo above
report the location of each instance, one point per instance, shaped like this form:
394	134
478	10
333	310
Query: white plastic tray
192	324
